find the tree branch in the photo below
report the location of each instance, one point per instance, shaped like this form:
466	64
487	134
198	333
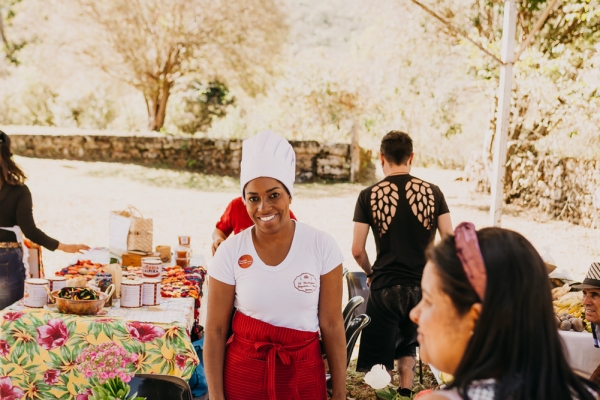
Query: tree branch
538	25
3	35
457	30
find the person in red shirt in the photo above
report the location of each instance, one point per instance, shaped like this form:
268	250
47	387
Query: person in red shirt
234	220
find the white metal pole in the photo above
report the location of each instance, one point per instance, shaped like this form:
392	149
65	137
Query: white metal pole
502	118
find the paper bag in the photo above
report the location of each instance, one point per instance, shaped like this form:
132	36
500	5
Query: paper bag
129	230
117	276
118	231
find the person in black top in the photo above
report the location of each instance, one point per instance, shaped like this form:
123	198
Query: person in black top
16	210
404	213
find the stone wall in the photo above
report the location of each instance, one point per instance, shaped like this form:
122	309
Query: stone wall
566	188
210	156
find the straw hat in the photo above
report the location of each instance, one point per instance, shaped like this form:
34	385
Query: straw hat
592	279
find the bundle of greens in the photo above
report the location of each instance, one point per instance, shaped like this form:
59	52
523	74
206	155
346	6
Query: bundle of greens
77	293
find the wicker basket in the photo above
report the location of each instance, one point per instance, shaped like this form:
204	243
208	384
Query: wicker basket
140	232
140	241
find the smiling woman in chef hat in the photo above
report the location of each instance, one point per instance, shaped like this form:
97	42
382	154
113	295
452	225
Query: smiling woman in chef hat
285	279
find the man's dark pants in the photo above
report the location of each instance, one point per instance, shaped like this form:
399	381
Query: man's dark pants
391	334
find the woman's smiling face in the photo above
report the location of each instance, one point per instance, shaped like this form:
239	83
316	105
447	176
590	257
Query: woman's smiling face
443	335
268	204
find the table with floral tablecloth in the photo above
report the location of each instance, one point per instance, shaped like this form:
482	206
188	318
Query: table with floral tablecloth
39	349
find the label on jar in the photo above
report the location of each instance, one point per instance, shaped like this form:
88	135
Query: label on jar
35	295
131	294
151	292
151	268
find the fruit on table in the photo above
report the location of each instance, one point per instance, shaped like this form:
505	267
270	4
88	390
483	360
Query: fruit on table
577	324
571	317
83	268
565	325
77	293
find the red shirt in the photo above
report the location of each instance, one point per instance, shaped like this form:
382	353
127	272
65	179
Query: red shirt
235	218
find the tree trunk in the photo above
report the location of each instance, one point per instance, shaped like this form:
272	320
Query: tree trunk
151	101
354	152
157	106
157	102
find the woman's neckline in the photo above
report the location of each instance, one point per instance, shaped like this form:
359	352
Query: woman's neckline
288	256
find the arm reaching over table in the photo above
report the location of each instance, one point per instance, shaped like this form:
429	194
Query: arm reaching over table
218	237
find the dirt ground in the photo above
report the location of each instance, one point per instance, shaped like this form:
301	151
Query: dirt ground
72	201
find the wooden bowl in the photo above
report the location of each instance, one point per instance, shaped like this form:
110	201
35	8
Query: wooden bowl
81	307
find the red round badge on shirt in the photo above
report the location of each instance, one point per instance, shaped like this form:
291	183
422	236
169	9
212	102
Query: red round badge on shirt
245	261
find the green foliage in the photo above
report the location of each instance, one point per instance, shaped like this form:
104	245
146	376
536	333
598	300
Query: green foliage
92	110
576	25
390	393
573	22
554	85
7	14
202	105
113	389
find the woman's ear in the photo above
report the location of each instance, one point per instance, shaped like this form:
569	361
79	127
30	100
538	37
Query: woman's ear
474	313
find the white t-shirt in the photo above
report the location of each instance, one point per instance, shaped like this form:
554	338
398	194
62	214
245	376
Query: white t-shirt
286	295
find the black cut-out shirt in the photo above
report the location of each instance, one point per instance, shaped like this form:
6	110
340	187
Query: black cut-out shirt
402	211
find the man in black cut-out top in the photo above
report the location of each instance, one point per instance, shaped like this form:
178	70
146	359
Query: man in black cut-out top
404	213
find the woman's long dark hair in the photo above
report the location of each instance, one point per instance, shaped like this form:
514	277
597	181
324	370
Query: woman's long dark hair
515	339
10	173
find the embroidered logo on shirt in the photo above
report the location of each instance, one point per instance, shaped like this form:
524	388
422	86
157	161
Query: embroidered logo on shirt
306	283
245	261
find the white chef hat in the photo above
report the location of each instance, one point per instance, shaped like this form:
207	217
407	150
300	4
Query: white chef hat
268	155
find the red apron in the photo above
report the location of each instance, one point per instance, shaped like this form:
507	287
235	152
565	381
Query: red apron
267	362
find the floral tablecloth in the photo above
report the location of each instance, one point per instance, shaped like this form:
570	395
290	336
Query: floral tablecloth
39	348
167	312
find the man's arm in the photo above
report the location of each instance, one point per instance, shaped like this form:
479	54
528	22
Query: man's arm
445	225
218	237
359	241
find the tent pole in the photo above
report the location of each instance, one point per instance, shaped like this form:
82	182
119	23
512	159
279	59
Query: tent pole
502	120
